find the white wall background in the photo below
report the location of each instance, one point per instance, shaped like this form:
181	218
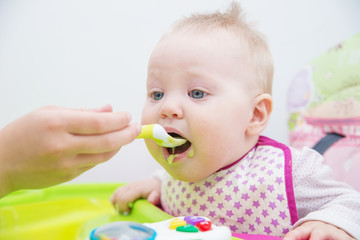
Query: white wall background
86	53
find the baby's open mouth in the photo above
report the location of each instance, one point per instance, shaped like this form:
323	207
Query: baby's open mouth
178	149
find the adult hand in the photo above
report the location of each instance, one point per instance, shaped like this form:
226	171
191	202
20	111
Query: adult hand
53	145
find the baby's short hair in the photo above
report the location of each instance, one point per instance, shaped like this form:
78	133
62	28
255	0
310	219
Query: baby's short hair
253	41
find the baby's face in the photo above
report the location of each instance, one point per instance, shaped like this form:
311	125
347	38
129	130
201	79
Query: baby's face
199	89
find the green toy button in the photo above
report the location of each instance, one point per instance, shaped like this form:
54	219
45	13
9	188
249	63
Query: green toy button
187	228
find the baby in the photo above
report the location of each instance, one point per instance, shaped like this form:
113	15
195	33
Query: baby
209	82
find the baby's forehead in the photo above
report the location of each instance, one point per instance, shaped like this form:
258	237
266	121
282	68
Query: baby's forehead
224	48
214	38
212	44
250	46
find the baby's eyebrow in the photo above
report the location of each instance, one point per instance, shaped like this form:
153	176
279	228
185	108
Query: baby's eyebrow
202	80
153	80
157	72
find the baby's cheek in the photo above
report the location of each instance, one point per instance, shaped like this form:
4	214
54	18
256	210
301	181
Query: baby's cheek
154	150
215	158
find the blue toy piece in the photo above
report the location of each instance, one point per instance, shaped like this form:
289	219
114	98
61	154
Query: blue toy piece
123	230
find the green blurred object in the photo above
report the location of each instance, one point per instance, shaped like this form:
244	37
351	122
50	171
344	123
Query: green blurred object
66	212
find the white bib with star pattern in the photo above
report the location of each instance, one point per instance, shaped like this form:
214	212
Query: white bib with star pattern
254	195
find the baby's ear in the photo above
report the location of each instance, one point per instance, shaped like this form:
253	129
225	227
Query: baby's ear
261	113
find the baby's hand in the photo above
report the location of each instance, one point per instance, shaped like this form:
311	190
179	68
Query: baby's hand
317	230
125	195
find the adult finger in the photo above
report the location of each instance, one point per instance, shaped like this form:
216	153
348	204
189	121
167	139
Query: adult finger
104	108
86	123
107	142
91	160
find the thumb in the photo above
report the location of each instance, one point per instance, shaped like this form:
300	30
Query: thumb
105	108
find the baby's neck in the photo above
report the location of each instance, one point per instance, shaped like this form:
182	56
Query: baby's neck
251	144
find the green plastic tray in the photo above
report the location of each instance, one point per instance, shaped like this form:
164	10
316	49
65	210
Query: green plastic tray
66	212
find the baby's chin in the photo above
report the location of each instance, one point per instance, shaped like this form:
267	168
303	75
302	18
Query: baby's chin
186	177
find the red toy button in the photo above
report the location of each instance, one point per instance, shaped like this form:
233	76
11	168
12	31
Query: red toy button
204	226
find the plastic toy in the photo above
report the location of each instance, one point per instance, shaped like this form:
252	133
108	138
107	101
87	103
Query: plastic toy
73	211
123	230
180	228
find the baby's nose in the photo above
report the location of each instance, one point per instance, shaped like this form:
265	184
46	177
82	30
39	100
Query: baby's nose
171	108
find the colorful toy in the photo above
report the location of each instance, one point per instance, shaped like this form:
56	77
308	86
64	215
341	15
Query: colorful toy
324	106
180	228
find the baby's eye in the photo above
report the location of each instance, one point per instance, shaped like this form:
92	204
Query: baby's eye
197	94
157	95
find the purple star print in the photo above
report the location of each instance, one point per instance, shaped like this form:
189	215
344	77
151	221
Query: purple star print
282	214
229	213
272	205
211	199
233	228
271	188
241	220
245	196
279	180
228	198
253	188
280	197
207	184
274	222
249	212
264	213
203	207
267	230
229	183
220	206
237	205
251	227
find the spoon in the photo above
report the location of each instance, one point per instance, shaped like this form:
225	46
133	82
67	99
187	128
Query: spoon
161	137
